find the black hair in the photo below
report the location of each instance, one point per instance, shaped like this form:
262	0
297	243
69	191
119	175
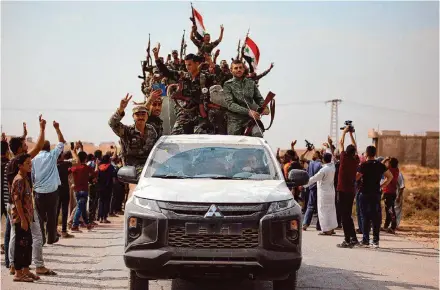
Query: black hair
237	61
194	58
15	144
394	162
5	147
46	146
371	151
22	158
90	157
327	158
105	159
351	150
82	156
68	155
98	154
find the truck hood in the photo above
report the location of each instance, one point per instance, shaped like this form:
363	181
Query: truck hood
213	191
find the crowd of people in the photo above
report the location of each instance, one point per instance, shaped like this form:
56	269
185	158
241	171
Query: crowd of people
40	184
337	179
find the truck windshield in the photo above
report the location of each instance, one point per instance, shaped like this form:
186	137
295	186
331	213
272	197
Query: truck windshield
216	161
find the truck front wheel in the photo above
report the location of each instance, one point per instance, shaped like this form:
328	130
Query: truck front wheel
289	284
136	283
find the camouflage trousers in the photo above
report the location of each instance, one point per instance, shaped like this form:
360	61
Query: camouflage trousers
191	123
237	125
219	121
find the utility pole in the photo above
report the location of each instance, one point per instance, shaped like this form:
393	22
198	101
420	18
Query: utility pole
334	130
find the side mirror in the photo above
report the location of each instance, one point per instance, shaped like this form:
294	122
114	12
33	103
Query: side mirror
127	174
298	177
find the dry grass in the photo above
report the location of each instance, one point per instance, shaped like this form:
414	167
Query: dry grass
421	205
421	195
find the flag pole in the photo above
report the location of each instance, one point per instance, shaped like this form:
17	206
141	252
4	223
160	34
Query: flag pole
244	44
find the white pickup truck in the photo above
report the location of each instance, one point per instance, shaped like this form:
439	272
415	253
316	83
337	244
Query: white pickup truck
212	206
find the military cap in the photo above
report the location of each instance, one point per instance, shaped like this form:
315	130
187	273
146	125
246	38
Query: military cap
138	109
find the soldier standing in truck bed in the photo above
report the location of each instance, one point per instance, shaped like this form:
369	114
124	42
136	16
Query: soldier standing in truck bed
189	118
243	99
205	46
154	107
138	139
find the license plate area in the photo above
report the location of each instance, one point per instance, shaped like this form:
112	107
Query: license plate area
195	229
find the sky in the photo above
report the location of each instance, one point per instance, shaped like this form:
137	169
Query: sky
74	61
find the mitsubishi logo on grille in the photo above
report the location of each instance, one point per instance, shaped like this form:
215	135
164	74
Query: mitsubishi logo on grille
213	211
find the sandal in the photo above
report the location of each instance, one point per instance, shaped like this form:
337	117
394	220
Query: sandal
48	272
325	234
23	278
33	276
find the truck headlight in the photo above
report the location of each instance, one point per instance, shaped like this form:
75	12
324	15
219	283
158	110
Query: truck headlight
281	205
146	203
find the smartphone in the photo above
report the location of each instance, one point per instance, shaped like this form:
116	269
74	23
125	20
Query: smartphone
162	87
72	145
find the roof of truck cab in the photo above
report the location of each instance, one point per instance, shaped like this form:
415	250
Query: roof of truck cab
213	139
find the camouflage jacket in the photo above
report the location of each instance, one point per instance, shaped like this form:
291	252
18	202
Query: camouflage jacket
135	147
238	93
191	88
157	123
223	76
205	47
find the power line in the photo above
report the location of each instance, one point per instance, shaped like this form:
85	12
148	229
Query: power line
389	109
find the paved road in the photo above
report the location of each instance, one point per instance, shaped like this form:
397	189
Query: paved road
92	260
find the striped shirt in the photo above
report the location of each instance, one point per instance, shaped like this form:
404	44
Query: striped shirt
4	183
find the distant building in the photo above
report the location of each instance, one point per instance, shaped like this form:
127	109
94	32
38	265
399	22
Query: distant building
408	149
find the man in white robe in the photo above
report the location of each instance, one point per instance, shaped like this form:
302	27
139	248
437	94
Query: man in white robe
326	195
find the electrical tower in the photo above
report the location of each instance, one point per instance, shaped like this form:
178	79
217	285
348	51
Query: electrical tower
334	130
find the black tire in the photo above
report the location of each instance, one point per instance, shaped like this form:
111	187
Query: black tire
136	283
288	284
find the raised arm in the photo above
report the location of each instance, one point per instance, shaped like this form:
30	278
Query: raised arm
263	74
168	73
59	134
40	140
193	37
24	131
115	120
222	29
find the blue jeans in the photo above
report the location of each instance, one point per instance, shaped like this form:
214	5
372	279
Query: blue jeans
371	215
7	239
358	211
81	210
312	205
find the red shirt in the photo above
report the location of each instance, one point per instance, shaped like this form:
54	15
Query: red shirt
81	174
392	186
347	173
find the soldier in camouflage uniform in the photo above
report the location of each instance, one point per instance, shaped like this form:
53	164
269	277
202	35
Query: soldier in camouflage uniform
138	139
205	46
195	87
243	99
154	107
176	63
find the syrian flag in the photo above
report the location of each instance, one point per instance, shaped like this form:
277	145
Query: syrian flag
251	53
198	19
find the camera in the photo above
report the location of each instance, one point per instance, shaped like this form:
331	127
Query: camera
350	126
309	146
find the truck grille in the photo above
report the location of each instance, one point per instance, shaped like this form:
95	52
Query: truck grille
200	209
177	238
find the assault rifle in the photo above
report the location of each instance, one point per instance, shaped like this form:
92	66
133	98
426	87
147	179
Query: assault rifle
182	45
251	124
